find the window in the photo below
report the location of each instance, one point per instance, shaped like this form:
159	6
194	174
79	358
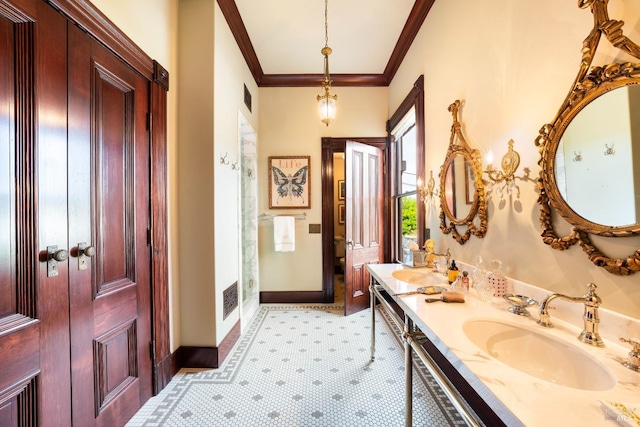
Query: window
405	168
405	189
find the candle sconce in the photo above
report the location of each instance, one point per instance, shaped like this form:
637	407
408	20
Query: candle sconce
505	179
428	193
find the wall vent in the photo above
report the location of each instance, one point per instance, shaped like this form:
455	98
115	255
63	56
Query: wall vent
230	299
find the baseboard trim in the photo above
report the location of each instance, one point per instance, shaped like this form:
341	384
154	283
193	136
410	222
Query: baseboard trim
288	297
163	374
205	357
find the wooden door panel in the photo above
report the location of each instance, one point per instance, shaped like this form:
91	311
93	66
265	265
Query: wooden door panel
374	213
113	182
363	221
109	158
7	170
32	333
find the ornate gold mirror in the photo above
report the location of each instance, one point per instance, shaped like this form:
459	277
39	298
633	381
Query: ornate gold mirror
589	151
462	198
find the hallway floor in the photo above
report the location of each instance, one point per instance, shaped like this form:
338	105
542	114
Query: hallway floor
302	365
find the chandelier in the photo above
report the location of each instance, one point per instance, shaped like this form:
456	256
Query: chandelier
326	101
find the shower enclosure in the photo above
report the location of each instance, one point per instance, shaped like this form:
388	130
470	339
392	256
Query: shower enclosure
248	220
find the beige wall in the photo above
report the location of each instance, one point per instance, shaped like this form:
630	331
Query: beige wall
231	74
512	64
290	125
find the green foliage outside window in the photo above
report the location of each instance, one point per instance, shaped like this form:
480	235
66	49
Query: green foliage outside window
409	216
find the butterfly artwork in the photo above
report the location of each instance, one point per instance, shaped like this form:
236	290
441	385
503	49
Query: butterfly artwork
289	183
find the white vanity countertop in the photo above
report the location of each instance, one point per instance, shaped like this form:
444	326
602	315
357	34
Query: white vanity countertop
510	392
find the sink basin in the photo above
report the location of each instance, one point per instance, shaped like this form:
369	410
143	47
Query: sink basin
417	277
539	355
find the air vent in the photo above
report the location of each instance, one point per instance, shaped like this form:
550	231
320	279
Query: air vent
230	299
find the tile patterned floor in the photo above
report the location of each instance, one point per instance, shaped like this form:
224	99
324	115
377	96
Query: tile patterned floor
300	365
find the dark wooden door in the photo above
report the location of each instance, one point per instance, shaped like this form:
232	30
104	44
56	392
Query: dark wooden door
364	220
109	205
34	297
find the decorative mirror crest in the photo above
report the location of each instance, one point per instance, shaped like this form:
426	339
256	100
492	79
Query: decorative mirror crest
591	83
462	196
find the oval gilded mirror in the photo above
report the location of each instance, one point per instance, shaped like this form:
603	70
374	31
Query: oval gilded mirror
462	199
587	153
593	162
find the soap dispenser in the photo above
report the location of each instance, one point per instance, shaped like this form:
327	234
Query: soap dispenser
453	271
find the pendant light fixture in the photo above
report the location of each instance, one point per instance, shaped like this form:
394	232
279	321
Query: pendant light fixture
326	101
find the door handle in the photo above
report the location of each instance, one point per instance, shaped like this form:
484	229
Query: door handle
84	252
54	256
350	243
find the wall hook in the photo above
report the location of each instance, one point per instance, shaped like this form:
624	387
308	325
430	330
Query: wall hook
577	157
610	150
224	160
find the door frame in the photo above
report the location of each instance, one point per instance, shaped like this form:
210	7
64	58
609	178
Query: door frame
98	26
329	147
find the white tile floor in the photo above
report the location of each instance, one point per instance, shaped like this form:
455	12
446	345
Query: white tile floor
302	366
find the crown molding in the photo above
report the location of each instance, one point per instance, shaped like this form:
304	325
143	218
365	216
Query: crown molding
415	20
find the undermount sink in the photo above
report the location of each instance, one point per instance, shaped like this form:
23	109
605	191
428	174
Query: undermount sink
417	277
539	355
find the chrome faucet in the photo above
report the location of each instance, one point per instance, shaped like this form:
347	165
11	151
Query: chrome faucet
591	301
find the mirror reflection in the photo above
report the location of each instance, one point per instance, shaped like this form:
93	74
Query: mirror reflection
595	160
459	187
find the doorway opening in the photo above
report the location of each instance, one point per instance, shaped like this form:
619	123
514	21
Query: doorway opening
335	210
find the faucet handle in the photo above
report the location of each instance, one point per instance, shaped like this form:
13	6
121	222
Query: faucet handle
634	355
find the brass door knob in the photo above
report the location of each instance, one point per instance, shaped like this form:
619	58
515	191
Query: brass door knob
88	251
60	255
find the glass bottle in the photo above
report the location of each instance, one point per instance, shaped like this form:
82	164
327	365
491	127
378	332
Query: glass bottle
453	271
497	280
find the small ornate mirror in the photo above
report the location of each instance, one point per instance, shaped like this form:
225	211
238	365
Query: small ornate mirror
589	151
462	199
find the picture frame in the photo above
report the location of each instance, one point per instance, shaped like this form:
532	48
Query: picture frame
341	189
341	213
289	182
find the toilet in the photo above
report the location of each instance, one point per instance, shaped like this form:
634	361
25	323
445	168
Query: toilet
339	251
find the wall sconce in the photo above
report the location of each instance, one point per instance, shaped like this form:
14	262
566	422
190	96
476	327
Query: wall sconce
505	178
428	192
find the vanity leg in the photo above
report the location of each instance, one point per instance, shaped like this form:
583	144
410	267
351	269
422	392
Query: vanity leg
372	303
408	368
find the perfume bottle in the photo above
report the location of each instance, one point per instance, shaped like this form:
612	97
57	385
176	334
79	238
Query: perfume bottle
484	290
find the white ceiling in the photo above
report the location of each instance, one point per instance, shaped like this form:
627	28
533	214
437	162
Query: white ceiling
287	35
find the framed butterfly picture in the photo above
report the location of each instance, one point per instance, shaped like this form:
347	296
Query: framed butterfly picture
289	182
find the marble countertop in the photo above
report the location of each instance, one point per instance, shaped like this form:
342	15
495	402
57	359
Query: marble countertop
516	397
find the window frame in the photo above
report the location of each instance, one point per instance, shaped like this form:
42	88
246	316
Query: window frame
414	100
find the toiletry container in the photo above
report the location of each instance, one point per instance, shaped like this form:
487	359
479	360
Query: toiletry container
497	280
453	271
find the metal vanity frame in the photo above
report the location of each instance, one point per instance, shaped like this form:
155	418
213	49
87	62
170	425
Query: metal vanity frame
411	337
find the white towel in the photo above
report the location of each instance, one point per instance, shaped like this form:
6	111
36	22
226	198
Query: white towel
284	233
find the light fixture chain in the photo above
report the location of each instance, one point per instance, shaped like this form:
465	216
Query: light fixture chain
326	24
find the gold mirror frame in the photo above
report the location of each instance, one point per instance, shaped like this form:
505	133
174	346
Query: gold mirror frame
478	206
590	83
